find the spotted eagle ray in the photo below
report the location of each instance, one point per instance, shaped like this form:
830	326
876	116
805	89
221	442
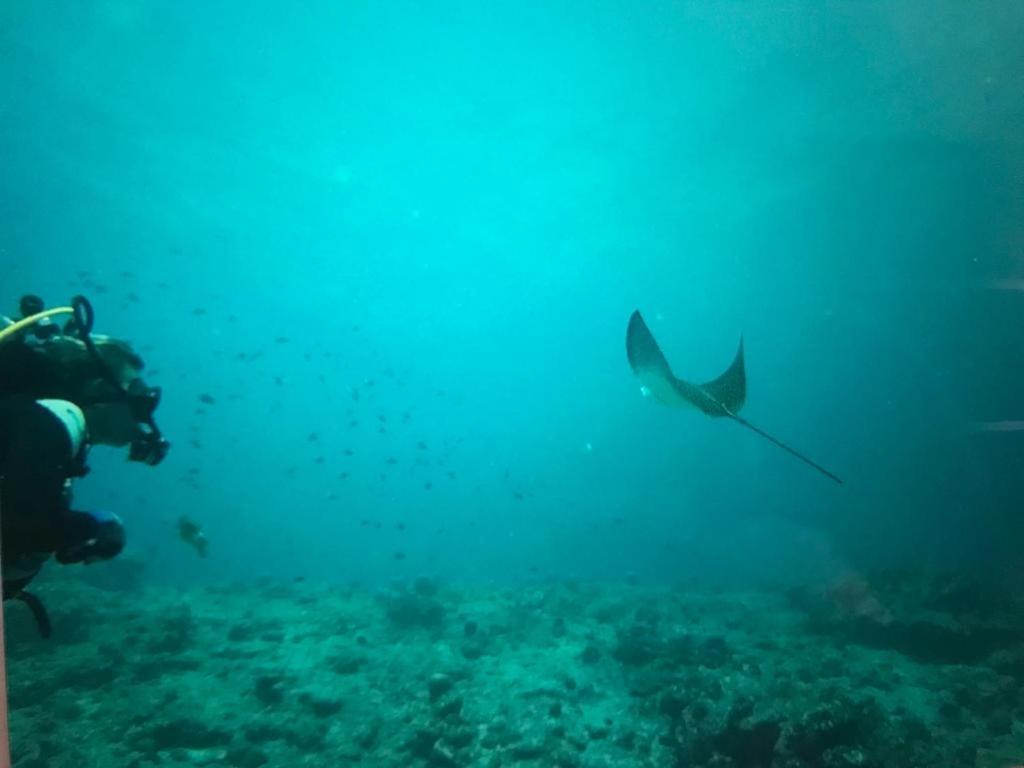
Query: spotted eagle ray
721	397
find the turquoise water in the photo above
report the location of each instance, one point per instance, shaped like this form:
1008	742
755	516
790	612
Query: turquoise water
381	257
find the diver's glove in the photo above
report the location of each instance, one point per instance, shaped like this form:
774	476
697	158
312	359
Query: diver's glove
91	537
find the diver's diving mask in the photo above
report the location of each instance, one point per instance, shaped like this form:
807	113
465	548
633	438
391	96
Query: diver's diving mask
150	448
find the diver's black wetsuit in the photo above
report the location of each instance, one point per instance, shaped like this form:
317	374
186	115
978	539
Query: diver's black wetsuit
35	462
25	372
42	388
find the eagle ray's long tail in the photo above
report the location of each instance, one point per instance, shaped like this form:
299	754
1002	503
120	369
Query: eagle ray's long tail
783	446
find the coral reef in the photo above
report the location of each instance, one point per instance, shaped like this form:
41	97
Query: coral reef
892	672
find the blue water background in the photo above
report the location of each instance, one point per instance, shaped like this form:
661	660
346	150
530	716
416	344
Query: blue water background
451	209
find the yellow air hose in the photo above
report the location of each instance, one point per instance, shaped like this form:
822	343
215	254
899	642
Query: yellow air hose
10	331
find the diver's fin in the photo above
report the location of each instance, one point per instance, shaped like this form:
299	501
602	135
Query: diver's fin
723	396
38	612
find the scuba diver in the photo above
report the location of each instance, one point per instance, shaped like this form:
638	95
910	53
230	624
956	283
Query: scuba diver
62	389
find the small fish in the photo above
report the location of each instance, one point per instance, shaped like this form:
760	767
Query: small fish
190	532
399	555
208	399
